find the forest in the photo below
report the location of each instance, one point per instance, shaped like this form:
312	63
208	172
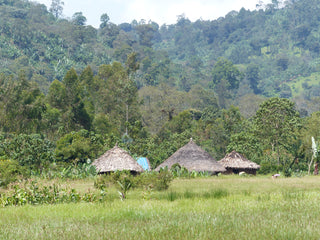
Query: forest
247	81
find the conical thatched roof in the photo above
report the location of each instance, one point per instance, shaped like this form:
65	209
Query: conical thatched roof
237	161
116	159
193	158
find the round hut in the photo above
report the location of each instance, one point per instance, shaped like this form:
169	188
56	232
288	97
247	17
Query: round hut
235	163
116	159
193	158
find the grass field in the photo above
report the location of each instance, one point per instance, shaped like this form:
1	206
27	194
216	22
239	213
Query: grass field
225	207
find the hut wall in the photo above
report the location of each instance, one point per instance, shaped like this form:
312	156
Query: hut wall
229	171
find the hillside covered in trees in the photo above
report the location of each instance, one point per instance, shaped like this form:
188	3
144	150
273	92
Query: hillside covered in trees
70	91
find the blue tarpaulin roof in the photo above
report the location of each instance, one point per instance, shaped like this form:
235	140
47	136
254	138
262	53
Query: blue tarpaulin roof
144	163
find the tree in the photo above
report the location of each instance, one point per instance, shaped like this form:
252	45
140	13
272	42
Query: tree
79	19
79	146
225	70
311	128
71	83
277	125
132	63
22	106
118	96
104	19
252	74
32	151
146	33
57	95
66	97
226	78
180	123
56	8
246	143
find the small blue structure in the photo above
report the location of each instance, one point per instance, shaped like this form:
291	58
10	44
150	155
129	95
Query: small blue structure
144	163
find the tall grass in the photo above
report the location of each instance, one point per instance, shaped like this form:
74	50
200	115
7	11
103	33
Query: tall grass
214	208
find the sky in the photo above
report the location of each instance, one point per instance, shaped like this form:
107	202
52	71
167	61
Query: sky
159	11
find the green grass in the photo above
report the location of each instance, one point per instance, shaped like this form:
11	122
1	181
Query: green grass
226	207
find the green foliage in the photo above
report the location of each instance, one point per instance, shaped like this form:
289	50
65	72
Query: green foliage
35	194
67	171
247	144
56	8
104	20
267	167
283	123
163	180
79	19
151	85
10	171
252	74
180	172
225	70
124	185
78	146
178	124
22	106
124	181
284	45
33	152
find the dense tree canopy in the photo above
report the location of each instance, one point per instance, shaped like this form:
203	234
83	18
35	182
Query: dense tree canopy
152	87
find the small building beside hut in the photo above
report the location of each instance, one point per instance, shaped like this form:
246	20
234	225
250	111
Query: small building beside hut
235	163
144	163
116	159
193	158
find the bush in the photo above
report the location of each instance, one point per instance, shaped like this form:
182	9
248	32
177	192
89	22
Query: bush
35	194
163	180
178	171
79	145
67	171
31	151
154	180
10	171
267	167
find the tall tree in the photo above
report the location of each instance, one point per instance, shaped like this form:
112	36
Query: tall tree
277	124
104	19
56	8
252	74
74	115
226	78
22	106
225	70
79	19
118	95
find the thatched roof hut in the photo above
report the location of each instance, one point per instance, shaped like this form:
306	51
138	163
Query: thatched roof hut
116	159
193	158
235	163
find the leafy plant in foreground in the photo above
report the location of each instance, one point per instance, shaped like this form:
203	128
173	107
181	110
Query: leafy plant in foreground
35	194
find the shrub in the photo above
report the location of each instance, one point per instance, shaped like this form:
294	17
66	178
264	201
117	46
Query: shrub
31	151
268	167
163	180
67	171
147	180
79	145
34	194
178	171
10	171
